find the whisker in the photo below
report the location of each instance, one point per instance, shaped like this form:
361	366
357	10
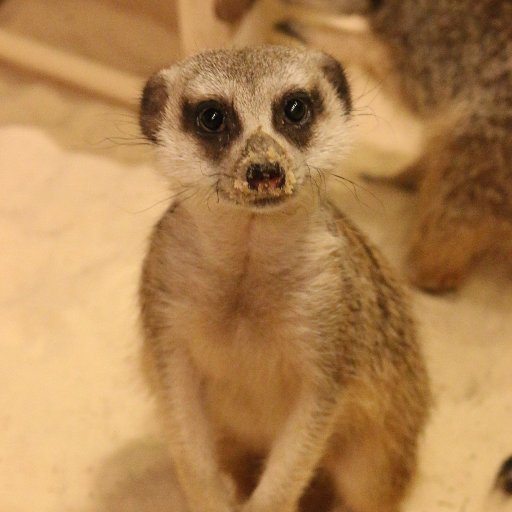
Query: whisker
213	174
217	192
210	195
116	141
350	185
321	190
165	200
323	178
355	187
194	194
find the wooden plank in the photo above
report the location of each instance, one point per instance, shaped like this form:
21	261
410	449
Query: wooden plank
73	70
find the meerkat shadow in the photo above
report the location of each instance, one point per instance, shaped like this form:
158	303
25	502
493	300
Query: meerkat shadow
140	477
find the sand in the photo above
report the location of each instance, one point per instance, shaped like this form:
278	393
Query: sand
77	201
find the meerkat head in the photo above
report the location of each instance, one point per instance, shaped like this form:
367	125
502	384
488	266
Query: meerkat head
250	125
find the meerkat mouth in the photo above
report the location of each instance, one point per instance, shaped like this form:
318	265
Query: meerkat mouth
267	184
260	191
265	178
263	187
263	175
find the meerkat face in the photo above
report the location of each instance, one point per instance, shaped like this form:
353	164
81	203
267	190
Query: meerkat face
251	125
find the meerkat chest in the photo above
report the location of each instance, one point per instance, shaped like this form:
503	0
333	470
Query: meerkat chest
245	343
248	309
247	301
266	289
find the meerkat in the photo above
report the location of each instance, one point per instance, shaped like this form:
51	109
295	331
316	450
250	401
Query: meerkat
278	344
504	478
499	498
450	63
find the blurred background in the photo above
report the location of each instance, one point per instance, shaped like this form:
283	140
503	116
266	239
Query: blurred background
78	197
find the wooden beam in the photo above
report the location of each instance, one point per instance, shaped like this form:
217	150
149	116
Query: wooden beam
73	70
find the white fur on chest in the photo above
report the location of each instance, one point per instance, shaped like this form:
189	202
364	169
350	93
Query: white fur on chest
247	316
245	347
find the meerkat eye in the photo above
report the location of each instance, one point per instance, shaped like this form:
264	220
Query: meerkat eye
296	110
211	118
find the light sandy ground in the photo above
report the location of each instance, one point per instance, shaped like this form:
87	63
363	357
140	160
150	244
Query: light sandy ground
76	426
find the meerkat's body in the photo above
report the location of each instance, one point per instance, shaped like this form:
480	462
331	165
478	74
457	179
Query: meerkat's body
275	337
449	62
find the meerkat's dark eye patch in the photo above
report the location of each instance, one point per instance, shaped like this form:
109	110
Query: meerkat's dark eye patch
214	123
294	115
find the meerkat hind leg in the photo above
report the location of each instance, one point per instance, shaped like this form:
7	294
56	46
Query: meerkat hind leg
371	478
462	203
442	253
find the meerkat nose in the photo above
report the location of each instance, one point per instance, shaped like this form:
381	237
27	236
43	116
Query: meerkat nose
265	176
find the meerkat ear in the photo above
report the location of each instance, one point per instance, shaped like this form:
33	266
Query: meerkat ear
152	106
335	74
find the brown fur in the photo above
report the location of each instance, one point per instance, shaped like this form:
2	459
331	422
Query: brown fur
231	10
278	344
450	62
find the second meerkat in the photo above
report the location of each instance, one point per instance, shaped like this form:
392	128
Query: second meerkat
277	341
450	63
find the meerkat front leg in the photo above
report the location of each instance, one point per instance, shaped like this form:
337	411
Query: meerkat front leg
190	439
296	453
